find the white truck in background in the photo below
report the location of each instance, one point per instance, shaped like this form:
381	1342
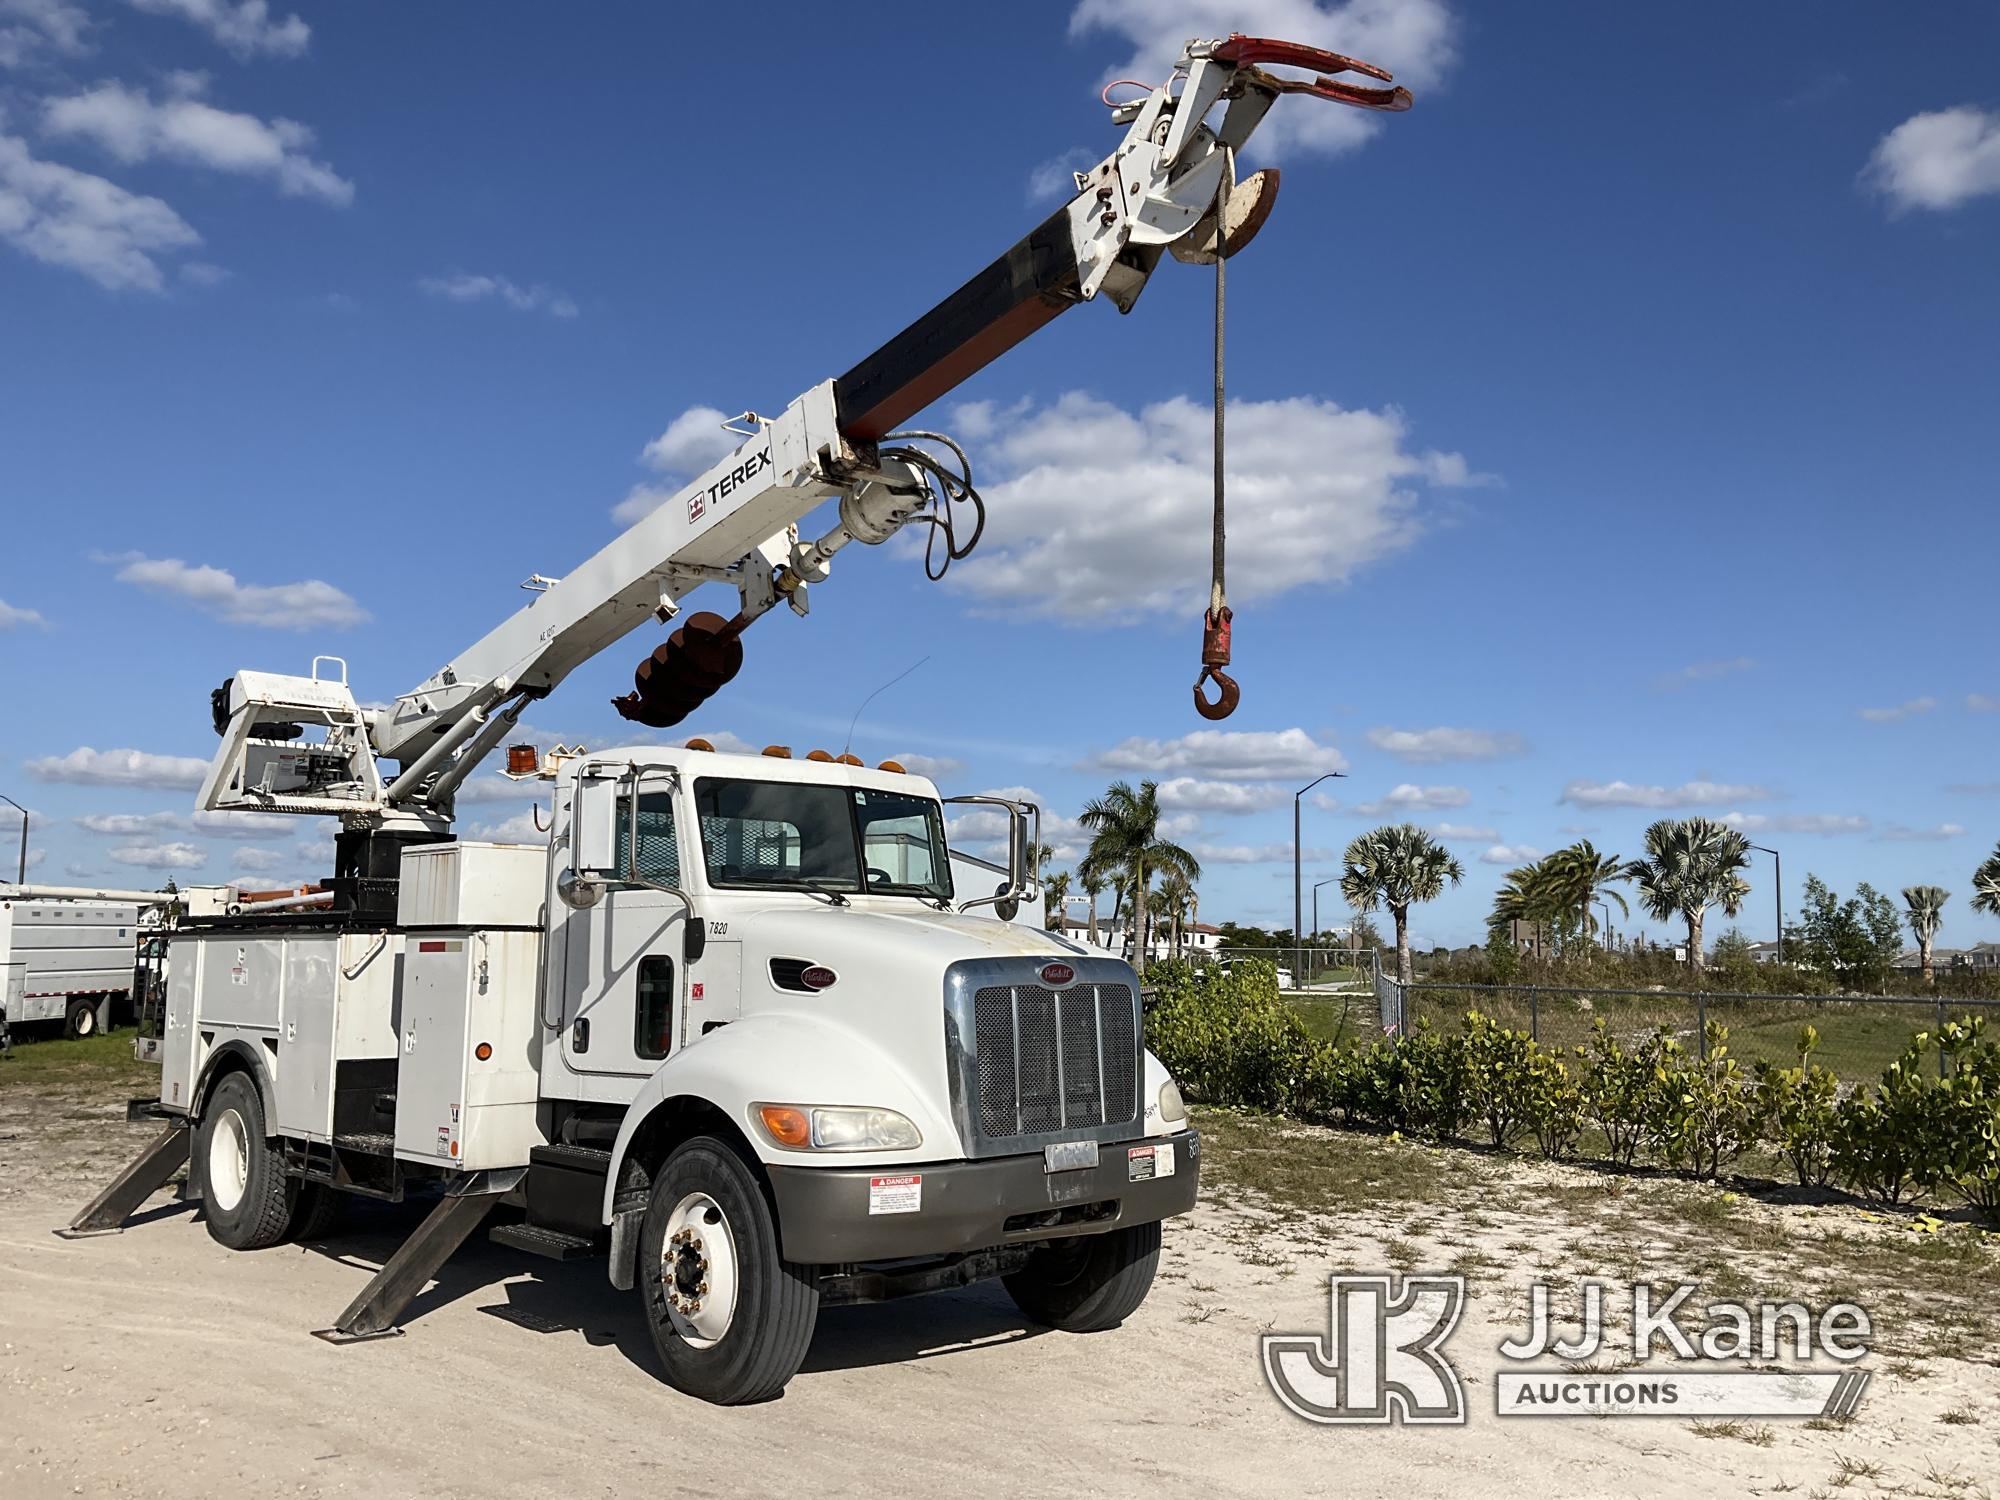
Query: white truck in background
738	1027
66	962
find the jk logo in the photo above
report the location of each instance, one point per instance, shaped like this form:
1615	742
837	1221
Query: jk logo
1378	1360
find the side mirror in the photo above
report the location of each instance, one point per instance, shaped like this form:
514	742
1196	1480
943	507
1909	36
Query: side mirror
593	838
694	939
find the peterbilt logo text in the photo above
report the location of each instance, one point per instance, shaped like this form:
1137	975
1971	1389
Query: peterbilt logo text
756	463
1057	974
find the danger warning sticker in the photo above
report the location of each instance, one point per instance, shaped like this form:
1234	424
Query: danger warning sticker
1144	1163
896	1195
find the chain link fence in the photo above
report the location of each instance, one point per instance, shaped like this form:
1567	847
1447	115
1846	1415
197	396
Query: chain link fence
1859	1035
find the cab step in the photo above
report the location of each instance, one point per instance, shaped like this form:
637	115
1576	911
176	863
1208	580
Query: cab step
552	1244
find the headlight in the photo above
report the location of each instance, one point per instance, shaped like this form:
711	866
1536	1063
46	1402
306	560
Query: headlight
827	1128
1172	1106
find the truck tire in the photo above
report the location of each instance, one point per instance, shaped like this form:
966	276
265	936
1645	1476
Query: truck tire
246	1196
82	1018
731	1319
317	1213
1089	1283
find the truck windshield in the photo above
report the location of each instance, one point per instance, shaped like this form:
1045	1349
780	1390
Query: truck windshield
796	836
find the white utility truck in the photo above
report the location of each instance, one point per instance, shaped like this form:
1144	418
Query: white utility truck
65	962
736	1026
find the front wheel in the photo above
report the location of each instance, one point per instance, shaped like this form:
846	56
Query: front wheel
1089	1283
731	1318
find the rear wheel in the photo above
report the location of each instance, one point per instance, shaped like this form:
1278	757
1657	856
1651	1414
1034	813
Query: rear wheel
317	1212
246	1195
731	1319
1091	1282
82	1018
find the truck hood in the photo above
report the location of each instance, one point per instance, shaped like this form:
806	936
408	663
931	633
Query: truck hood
905	934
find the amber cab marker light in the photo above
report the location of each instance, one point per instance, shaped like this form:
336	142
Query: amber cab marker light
484	1052
787	1126
848	760
893	765
700	744
778	752
523	760
819	755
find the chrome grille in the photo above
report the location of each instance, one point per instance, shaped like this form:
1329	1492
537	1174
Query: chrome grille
1053	1060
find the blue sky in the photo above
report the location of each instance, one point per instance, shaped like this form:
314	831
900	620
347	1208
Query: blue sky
1615	432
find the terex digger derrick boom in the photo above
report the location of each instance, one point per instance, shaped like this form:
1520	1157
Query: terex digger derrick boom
303	745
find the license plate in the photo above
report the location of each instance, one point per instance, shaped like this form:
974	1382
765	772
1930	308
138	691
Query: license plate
1068	1156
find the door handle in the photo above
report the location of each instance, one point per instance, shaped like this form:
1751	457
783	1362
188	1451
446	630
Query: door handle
579	1035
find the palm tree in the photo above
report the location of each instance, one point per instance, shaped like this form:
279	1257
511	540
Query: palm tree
1125	844
1691	865
1055	891
1926	915
1397	867
1575	879
1986	885
1175	893
1091	883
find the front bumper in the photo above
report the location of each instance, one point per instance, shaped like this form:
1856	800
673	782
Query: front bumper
824	1215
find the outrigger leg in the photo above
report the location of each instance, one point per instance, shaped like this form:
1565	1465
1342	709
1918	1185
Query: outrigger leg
373	1314
106	1213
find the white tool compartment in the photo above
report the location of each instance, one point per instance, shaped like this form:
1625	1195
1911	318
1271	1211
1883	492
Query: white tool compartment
463	884
464	991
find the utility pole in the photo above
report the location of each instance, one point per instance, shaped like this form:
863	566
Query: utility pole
1778	882
22	878
1298	874
1315	932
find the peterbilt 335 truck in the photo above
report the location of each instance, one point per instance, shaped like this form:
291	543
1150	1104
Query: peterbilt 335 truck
736	1027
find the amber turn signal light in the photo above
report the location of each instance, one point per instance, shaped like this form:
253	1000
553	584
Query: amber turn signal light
484	1052
787	1126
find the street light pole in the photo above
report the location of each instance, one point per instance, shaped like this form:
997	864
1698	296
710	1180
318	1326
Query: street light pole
1778	882
1298	874
22	878
1605	907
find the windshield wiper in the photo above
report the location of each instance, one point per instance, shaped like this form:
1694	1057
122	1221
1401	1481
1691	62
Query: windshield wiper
814	885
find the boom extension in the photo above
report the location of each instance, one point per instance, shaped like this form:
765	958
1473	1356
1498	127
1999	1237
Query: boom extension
303	745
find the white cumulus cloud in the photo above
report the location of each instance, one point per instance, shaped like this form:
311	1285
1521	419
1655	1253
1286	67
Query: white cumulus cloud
461	287
1467	833
310	604
160	856
85	766
692	441
1102	515
1194	794
86	223
128	825
134	126
1423	747
1510	854
1583	793
244	27
1409	798
1902	834
1938	159
1899	712
1818	823
1417	40
937	767
12	617
245	825
1223	755
29	27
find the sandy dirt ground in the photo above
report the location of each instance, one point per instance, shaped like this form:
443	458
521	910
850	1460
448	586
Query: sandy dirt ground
157	1363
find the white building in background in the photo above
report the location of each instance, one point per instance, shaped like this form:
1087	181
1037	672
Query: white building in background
1196	937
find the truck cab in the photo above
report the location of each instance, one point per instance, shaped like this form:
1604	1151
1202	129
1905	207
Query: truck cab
740	1027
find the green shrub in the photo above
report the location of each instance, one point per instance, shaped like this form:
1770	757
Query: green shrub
1431	1094
1965	1123
1617	1088
1496	1066
1882	1145
1551	1102
1702	1112
1227	1036
1797	1105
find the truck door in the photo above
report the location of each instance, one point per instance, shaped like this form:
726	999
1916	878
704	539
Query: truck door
622	979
